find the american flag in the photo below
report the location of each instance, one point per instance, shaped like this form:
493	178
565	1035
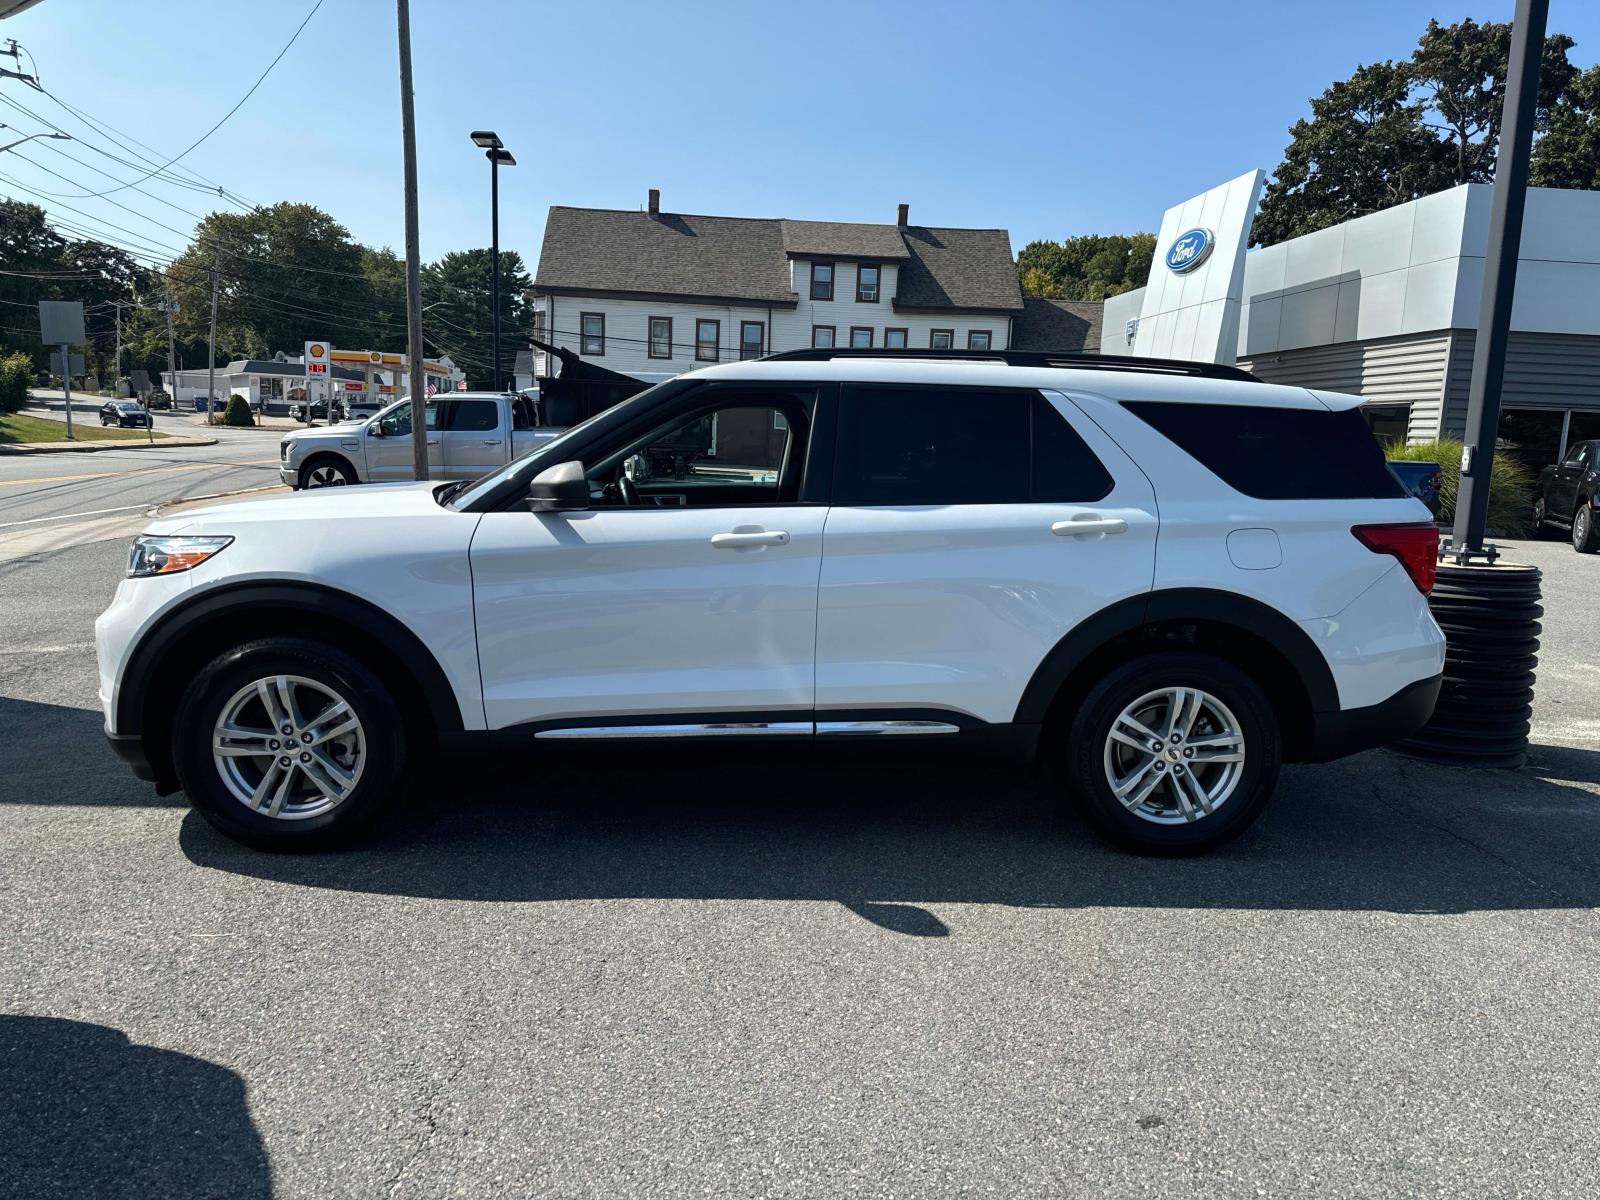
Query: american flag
433	388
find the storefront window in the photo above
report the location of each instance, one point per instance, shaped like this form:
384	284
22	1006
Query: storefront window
1389	422
1531	436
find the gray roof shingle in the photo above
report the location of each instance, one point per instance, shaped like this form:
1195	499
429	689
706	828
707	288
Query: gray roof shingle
842	239
1059	325
611	251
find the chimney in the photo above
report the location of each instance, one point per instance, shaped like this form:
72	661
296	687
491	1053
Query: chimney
655	202
902	215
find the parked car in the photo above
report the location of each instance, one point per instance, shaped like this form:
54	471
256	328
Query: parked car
991	575
1420	479
1568	494
125	413
319	410
361	409
158	401
469	434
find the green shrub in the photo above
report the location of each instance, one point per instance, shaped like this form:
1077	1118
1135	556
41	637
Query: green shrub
238	411
1510	485
16	374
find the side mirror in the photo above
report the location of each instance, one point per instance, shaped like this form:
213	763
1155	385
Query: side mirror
561	488
376	430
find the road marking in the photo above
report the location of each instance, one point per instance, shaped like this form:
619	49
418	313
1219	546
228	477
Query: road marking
250	462
69	516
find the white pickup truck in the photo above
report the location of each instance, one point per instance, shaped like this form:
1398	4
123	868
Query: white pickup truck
469	434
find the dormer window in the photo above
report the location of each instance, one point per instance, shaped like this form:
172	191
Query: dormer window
867	275
822	281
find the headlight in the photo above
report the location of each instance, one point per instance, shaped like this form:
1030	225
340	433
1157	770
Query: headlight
167	555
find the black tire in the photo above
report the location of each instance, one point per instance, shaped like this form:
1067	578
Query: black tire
319	467
382	767
1585	529
1541	520
1085	754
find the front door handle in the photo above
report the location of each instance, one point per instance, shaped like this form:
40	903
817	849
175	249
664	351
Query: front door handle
433	441
747	537
491	441
1088	523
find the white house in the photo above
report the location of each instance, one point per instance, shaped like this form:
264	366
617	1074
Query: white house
653	291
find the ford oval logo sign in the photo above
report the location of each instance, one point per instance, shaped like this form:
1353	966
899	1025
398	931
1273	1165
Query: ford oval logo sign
1189	250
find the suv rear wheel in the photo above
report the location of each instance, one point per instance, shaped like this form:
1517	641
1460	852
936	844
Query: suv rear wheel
288	744
1173	754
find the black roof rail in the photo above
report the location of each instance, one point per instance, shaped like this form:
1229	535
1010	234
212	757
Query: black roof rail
1029	358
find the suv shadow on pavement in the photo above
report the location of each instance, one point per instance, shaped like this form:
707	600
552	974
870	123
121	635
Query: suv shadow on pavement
891	838
82	1104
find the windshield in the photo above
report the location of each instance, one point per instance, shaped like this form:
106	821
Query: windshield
519	471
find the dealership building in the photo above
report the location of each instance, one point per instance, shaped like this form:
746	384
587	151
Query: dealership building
1388	306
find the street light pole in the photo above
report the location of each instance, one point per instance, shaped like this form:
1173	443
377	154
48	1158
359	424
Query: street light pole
495	151
60	137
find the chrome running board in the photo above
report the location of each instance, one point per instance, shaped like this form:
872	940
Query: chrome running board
747	729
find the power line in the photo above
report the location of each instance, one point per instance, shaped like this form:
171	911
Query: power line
259	80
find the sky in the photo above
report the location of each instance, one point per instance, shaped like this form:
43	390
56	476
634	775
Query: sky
1046	119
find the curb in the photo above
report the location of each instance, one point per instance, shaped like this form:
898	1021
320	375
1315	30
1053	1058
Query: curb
90	447
163	507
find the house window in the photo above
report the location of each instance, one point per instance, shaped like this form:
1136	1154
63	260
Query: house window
896	339
867	283
593	341
977	339
822	337
538	323
660	337
821	281
942	339
860	337
707	340
750	339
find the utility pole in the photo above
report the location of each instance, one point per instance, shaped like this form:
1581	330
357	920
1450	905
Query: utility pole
116	365
414	351
211	358
66	385
171	306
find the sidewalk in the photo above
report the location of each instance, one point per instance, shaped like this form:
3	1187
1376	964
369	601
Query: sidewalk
163	439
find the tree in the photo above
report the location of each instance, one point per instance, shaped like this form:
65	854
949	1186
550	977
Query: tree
1088	267
455	291
288	274
1568	155
1395	131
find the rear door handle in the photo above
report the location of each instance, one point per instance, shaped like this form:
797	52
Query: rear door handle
765	537
1088	523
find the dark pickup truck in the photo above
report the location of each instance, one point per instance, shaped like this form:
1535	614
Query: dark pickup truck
1567	494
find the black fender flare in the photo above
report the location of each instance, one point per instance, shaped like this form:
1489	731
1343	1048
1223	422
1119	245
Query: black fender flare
315	600
1179	604
342	457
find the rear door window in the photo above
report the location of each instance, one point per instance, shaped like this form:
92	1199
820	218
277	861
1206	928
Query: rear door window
1278	453
474	416
923	446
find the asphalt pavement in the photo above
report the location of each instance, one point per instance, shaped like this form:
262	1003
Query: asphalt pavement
582	975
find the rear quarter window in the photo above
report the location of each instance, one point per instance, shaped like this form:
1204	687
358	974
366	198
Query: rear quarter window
1278	453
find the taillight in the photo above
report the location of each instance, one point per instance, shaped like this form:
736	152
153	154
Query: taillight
1416	546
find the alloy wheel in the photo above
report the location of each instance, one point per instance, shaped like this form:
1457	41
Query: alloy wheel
1174	756
289	747
325	477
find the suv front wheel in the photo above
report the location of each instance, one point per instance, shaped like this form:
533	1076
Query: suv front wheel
287	744
1174	753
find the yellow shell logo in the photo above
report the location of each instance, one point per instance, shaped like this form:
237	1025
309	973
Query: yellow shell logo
316	350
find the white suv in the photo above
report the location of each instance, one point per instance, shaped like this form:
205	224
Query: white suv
1160	579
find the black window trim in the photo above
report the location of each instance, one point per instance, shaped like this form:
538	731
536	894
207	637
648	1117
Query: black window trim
934	333
987	333
716	345
877	287
760	343
583	337
855	329
650	337
833	334
833	275
903	331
